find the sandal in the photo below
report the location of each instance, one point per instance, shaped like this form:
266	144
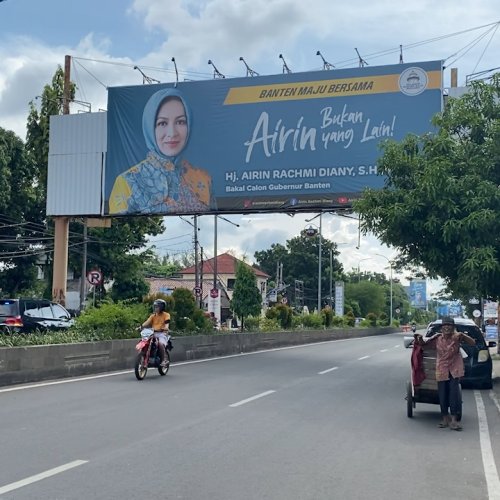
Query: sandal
445	422
455	426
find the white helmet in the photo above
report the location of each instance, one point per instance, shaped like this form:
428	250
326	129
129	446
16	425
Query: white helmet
161	304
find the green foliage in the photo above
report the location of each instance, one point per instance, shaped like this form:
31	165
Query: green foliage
21	203
440	206
369	295
338	321
300	262
247	300
327	315
313	320
282	313
372	319
296	321
252	323
159	267
350	319
270	325
184	308
129	287
111	320
383	319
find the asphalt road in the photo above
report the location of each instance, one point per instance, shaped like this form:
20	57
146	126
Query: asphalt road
323	421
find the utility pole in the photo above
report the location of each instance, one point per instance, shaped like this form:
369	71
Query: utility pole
61	224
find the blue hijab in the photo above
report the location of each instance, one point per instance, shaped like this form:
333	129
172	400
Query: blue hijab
149	121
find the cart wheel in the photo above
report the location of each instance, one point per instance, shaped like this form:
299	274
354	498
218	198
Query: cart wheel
409	400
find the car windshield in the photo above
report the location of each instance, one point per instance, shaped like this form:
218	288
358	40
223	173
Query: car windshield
470	330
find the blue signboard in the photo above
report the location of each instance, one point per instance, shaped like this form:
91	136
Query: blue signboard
418	294
300	141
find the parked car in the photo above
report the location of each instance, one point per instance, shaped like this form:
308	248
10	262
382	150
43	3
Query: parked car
478	364
30	315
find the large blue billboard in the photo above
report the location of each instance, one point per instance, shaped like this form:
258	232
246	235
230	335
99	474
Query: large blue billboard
300	141
418	294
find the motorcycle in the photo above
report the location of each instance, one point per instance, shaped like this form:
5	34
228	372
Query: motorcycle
149	354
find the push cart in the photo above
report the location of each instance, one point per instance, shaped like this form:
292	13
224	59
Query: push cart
427	390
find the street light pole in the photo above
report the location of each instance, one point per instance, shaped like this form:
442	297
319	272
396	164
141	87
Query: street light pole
390	267
359	270
319	263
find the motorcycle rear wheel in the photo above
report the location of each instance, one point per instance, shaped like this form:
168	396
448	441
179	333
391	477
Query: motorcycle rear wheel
140	368
163	370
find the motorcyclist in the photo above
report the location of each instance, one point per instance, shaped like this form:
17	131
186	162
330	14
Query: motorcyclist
159	321
414	327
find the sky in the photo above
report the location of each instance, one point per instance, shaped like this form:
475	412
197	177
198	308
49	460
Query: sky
106	39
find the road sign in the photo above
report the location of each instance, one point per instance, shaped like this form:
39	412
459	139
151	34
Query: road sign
197	290
94	277
476	313
214	293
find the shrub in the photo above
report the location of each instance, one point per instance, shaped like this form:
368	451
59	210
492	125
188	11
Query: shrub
252	323
327	315
111	320
296	321
372	318
313	320
349	318
270	325
338	321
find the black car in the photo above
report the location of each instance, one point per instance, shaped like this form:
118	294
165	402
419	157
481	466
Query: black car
30	315
478	364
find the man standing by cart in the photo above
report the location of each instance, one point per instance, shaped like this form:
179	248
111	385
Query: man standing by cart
449	370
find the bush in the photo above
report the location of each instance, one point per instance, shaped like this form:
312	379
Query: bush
252	324
296	321
338	321
350	319
327	315
111	320
313	320
282	313
270	325
372	318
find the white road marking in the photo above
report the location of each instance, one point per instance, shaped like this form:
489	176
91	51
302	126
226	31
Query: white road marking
495	400
384	350
181	363
328	371
253	398
42	475
363	357
490	470
397	346
65	381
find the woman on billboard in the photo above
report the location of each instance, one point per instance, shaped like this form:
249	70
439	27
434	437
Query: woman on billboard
164	181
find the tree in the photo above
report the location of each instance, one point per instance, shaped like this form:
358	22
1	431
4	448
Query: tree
114	250
369	295
20	220
440	206
184	308
300	262
247	300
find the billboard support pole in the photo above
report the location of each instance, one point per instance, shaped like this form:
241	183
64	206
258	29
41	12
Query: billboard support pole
61	224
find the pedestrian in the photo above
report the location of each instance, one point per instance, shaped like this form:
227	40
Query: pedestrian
449	370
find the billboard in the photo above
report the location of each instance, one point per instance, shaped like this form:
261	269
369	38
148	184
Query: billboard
418	294
299	141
